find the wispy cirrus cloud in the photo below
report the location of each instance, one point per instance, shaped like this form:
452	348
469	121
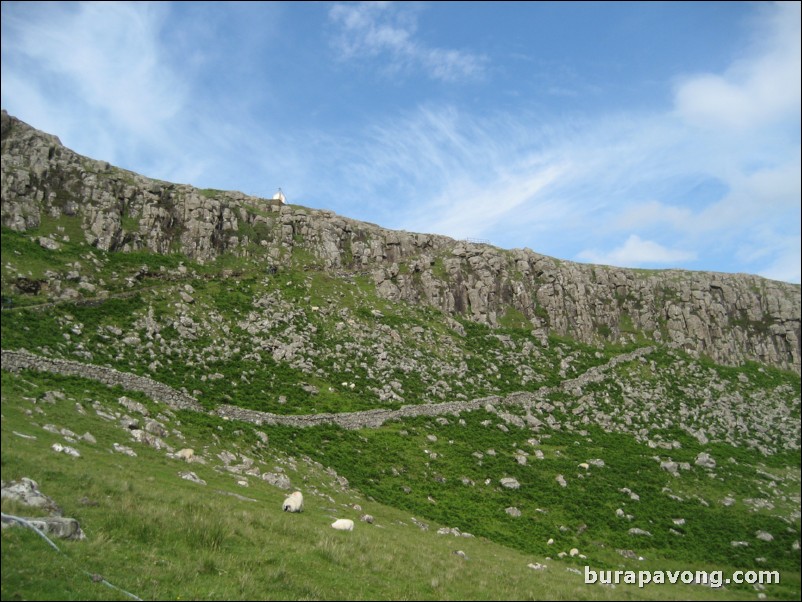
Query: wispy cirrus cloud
649	189
116	71
386	31
624	189
127	88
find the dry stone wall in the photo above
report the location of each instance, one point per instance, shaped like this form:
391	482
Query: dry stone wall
763	420
731	318
15	361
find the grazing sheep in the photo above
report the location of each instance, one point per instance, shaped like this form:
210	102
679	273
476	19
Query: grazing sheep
185	454
294	502
343	524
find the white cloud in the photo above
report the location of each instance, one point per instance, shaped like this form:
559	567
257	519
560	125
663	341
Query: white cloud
785	262
760	198
637	252
387	30
472	211
108	55
449	172
119	81
758	89
106	66
654	213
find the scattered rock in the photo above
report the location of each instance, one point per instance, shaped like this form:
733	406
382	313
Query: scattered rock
705	460
65	449
24	436
670	467
123	449
420	524
55	526
191	476
452	531
48	243
26	491
279	480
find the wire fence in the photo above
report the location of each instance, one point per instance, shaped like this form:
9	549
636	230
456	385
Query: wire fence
8	518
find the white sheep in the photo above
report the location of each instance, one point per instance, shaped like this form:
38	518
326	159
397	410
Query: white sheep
185	454
343	524
294	502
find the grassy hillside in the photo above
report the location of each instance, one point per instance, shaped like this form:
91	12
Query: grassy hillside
602	445
161	537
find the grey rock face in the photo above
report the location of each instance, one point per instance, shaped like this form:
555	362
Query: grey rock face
729	317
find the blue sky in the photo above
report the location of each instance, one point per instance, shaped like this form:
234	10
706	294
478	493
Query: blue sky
659	135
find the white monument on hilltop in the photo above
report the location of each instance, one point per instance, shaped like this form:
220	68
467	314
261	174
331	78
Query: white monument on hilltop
279	196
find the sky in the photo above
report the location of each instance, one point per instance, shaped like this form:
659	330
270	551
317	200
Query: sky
646	135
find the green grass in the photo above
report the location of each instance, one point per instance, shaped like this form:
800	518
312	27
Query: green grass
160	537
347	347
385	465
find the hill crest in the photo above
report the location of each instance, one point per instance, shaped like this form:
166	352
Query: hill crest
732	318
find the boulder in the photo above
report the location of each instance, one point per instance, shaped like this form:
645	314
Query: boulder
26	491
705	460
55	526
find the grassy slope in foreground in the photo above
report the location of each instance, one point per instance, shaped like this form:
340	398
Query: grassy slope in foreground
160	537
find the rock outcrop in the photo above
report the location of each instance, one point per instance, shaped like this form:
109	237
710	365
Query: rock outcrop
26	492
731	318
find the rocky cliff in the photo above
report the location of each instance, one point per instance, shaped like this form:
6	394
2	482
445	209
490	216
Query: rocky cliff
731	318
